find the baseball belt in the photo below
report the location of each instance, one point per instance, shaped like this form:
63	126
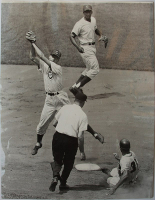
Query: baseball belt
89	43
53	93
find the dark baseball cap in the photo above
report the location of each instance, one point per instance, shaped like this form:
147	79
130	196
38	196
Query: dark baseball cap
56	53
87	7
81	96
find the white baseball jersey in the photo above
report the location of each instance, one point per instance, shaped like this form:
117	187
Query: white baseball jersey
52	78
52	83
85	30
71	120
129	162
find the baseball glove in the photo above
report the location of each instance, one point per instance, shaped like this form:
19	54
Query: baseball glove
99	137
30	36
105	39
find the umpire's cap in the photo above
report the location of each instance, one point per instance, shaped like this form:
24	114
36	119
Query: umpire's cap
87	7
125	144
81	96
56	53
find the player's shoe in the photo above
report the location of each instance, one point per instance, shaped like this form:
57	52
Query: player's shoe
35	149
83	156
63	186
53	184
106	171
75	90
80	90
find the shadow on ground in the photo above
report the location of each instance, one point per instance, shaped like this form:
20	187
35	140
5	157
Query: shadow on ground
85	187
105	95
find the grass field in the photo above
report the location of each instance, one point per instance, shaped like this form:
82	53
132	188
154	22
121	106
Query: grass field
129	27
120	105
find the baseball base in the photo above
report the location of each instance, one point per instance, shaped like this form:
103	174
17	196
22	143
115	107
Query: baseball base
87	167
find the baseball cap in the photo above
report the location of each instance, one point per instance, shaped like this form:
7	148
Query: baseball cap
56	53
81	96
87	7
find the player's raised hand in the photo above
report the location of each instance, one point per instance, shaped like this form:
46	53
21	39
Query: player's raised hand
30	36
116	156
80	49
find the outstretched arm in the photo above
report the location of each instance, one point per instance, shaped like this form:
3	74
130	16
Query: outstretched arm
73	38
33	56
90	130
41	55
116	156
98	136
30	36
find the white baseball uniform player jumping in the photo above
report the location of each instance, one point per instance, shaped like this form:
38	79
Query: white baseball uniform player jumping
84	30
55	97
127	169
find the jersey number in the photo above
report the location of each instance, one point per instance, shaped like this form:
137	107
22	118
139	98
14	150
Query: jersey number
134	165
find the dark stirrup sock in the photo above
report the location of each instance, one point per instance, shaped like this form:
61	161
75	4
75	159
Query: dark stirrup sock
85	80
80	79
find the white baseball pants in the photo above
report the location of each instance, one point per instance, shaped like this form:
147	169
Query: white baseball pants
115	177
51	106
90	60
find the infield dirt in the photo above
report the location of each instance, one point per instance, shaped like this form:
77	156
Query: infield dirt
120	105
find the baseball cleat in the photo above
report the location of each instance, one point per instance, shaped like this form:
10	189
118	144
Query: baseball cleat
35	149
73	90
105	170
53	184
80	90
63	187
83	156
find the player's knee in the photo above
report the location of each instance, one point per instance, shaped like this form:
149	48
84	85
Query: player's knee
112	181
97	70
114	172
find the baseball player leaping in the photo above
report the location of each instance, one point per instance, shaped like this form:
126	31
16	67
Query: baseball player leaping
84	31
52	75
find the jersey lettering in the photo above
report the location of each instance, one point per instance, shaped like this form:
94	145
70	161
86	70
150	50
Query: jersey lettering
50	74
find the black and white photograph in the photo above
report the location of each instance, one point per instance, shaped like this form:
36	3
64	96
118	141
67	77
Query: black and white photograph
77	99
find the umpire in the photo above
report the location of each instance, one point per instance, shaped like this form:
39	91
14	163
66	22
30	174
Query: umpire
70	122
